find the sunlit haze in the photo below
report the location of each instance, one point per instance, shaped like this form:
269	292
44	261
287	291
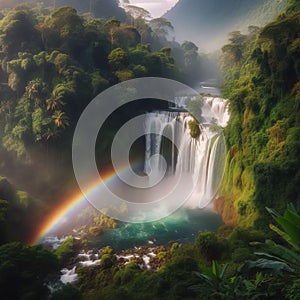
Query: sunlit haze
156	7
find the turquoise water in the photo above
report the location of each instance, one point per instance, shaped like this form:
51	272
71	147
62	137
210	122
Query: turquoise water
182	226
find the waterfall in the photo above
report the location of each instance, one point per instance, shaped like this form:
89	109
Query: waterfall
68	276
203	156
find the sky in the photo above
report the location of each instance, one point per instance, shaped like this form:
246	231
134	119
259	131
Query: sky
156	7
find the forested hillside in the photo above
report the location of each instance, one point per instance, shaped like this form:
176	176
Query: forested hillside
262	73
99	8
208	22
53	63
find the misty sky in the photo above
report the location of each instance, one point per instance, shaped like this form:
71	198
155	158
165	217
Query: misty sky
156	7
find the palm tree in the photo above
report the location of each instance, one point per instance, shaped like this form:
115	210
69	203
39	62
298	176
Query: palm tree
60	119
51	133
54	103
34	91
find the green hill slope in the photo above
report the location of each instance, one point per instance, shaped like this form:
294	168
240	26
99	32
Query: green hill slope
208	22
262	73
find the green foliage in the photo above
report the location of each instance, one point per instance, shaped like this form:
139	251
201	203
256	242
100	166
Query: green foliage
211	279
294	291
293	5
264	278
18	32
3	220
23	271
275	266
107	250
161	27
39	123
187	275
54	61
106	261
99	83
117	59
195	108
67	292
240	255
126	275
277	259
208	246
290	222
15	207
65	251
194	129
261	82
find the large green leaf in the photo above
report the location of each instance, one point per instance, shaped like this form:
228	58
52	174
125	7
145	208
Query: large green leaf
269	256
218	271
292	230
223	271
215	268
284	235
284	253
274	266
293	217
290	223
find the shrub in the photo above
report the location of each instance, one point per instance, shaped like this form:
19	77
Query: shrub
208	245
106	261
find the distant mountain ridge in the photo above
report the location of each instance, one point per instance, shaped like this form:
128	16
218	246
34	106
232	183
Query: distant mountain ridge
207	22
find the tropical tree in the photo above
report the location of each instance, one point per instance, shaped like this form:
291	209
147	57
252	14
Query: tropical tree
20	278
51	133
60	118
137	13
55	102
63	30
18	32
36	90
125	37
161	27
112	25
117	59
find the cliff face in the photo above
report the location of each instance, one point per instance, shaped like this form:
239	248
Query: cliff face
208	22
262	75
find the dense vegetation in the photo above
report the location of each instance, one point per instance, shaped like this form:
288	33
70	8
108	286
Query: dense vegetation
16	210
53	62
23	271
214	267
262	74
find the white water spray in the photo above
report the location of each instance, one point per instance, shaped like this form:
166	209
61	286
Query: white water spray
202	157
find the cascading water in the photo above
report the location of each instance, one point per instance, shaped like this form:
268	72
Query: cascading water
203	156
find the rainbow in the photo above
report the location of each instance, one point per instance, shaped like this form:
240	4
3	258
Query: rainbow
72	205
67	209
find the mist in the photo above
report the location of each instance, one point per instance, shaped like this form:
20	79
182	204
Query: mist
207	23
